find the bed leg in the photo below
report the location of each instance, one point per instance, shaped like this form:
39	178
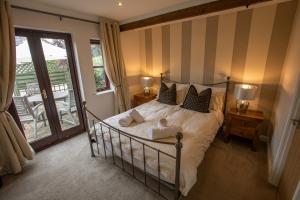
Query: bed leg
86	124
91	144
178	146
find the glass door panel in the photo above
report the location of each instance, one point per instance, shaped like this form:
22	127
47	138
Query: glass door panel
58	68
27	95
46	93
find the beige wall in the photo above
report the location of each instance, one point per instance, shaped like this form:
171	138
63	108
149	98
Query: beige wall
247	44
130	49
288	88
81	33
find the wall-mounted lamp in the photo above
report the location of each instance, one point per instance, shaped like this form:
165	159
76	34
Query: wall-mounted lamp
146	82
243	93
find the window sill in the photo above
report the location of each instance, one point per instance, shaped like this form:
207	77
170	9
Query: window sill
104	92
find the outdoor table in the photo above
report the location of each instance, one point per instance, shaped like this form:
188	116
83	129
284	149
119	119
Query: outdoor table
58	95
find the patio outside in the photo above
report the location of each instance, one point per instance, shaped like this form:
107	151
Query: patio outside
27	94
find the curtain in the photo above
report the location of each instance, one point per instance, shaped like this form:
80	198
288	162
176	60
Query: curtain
114	63
14	149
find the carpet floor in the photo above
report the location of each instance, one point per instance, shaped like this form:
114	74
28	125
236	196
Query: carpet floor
67	171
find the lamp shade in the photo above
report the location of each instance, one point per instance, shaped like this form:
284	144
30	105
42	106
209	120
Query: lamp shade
245	91
146	81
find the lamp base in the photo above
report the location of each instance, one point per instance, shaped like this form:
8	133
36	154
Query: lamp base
146	91
242	106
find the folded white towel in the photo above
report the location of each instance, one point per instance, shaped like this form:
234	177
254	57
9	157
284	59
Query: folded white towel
162	132
163	122
125	121
136	116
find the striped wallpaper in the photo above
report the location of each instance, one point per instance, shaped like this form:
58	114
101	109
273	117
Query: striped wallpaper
248	45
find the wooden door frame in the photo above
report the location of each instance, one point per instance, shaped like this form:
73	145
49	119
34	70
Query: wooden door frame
33	48
296	195
74	78
14	113
286	141
44	79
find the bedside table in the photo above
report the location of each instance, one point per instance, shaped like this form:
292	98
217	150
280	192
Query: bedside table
140	98
245	125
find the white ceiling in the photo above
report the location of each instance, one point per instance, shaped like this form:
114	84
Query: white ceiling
130	11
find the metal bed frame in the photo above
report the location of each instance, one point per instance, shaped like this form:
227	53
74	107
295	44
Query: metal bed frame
93	139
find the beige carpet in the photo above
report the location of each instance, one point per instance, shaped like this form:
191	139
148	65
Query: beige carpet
66	171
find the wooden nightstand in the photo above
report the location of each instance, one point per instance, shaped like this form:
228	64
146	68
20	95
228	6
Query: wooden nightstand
245	125
140	98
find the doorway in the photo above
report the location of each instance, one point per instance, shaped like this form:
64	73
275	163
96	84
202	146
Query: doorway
289	185
46	93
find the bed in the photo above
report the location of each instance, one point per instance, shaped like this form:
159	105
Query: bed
173	161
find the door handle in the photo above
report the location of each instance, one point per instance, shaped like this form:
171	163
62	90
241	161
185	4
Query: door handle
44	93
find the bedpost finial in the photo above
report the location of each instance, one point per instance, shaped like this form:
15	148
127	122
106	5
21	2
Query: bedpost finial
228	78
179	136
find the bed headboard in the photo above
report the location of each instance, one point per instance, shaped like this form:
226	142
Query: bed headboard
224	83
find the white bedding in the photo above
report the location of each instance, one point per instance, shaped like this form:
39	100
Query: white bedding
199	130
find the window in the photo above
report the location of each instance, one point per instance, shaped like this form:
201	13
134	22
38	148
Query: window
102	82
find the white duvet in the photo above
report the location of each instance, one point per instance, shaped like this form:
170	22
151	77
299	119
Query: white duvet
199	130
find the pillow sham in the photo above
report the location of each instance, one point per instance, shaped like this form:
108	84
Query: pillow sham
217	97
197	102
181	91
167	94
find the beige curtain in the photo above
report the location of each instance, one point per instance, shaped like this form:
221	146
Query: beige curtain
114	64
13	147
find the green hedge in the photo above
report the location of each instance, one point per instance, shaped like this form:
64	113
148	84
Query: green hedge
58	71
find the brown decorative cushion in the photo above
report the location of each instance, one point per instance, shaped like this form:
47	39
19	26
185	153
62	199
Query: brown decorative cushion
196	102
167	95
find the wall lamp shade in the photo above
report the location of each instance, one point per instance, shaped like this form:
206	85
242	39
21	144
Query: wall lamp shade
146	82
243	93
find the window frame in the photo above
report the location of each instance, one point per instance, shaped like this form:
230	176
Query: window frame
107	86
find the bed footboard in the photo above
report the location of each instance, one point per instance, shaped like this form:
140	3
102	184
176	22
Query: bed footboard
104	137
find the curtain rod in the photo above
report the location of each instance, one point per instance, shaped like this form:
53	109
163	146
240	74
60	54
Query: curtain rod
54	14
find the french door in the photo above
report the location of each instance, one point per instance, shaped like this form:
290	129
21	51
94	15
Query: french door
46	93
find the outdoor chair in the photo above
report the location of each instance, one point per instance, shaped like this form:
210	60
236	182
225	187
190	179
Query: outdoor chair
71	101
37	112
29	113
22	110
68	106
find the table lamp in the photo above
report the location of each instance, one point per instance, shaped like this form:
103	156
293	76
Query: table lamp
243	93
146	82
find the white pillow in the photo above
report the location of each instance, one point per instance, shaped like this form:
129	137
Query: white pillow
136	116
181	91
217	96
